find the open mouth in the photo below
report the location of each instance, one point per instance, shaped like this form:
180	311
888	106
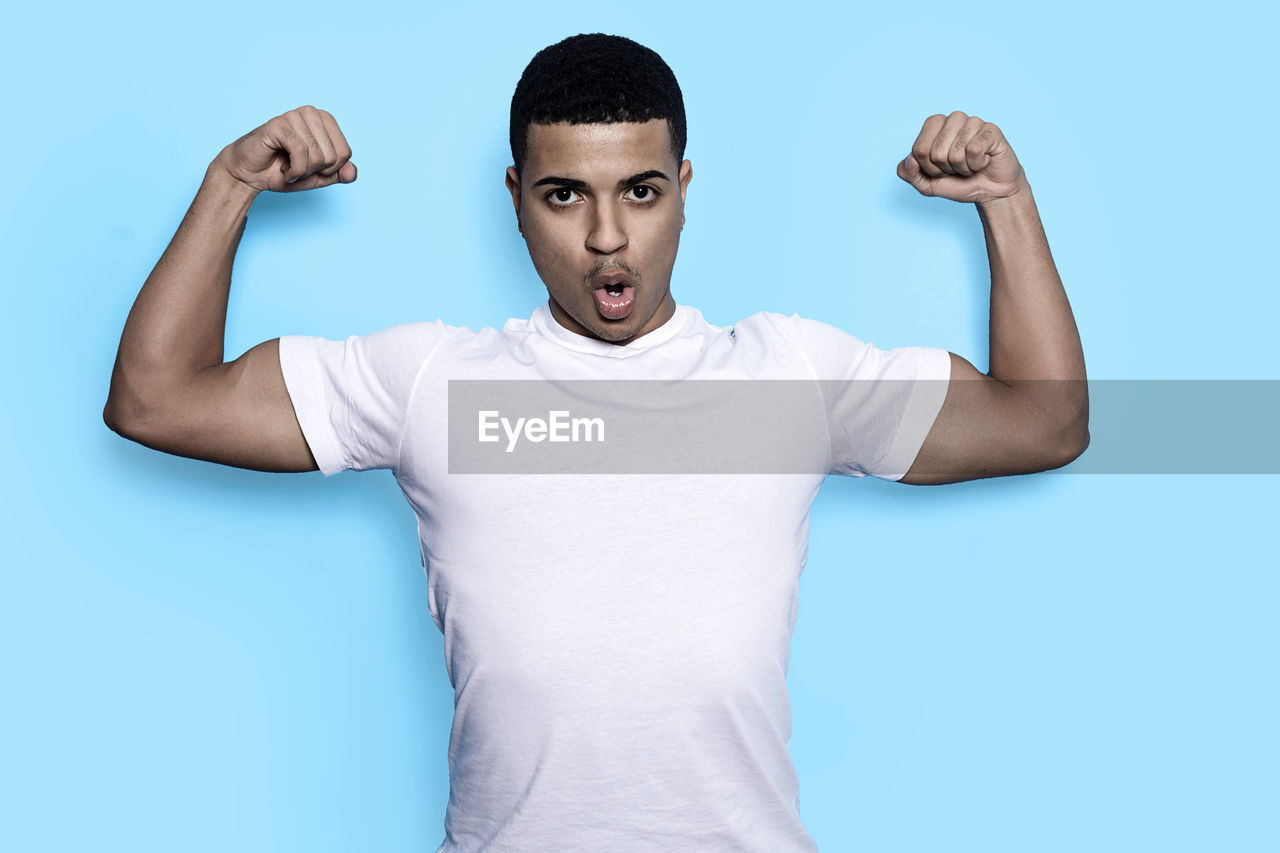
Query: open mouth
615	301
615	294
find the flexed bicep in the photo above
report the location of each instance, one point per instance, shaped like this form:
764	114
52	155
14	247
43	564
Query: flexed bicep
989	428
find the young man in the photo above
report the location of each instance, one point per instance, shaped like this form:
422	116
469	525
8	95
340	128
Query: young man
618	645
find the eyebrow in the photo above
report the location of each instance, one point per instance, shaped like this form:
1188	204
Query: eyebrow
575	184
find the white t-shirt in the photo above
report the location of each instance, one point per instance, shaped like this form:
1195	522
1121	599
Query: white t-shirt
617	644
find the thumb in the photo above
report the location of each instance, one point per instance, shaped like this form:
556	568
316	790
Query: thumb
344	175
909	170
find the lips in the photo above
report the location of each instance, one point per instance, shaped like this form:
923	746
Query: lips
614	293
614	302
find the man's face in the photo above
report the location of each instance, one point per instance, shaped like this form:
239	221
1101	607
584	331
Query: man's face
601	207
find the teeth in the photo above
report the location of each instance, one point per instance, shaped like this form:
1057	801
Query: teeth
613	289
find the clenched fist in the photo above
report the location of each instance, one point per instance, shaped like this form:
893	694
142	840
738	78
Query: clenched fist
963	158
298	150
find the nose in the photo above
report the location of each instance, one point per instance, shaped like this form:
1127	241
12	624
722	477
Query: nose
608	233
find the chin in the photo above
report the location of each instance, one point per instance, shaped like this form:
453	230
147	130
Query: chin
614	332
592	324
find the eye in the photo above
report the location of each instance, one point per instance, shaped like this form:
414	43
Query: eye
643	193
562	197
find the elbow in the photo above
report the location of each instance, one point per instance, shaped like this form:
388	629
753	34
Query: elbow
1070	448
1068	443
151	408
111	417
116	410
1064	433
128	413
1054	420
120	417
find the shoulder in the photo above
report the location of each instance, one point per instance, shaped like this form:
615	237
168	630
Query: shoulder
418	335
389	357
832	353
809	337
764	345
791	327
414	343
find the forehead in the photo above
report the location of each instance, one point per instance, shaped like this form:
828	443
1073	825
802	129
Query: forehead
610	150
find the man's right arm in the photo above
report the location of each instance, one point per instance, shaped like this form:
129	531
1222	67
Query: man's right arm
170	388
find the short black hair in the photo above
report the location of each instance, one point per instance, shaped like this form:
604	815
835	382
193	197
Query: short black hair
595	79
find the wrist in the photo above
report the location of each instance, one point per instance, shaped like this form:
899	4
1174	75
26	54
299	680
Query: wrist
1018	209
1019	195
227	186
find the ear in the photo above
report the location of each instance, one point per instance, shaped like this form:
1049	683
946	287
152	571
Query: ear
686	175
513	186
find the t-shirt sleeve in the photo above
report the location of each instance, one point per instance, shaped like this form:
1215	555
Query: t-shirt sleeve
351	396
881	403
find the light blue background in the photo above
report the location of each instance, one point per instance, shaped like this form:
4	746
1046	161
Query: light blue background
204	659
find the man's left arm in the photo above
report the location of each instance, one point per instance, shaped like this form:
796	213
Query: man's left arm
1030	412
